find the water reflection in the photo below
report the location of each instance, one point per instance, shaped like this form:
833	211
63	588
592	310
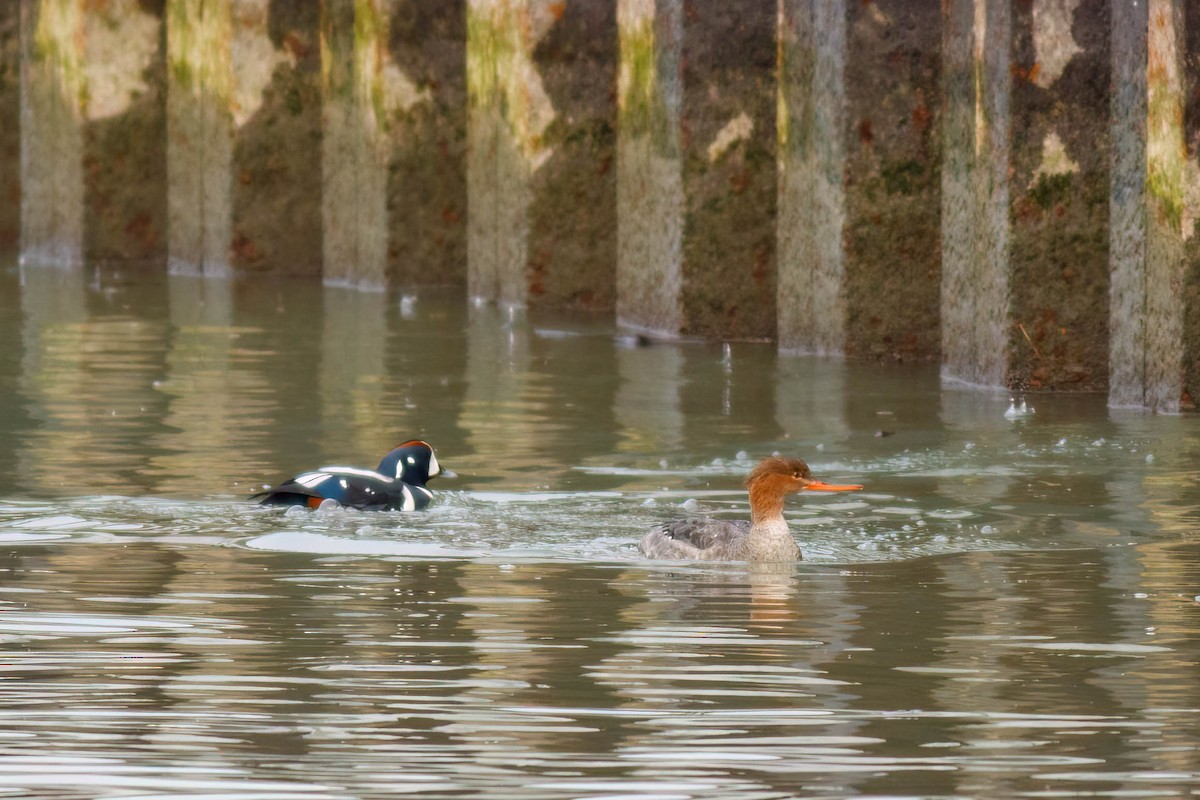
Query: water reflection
1009	609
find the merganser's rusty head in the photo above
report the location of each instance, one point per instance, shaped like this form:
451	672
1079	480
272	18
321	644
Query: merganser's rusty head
775	477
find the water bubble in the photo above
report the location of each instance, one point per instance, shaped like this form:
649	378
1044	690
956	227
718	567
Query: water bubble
969	446
649	501
821	446
742	455
690	504
1150	458
987	529
408	306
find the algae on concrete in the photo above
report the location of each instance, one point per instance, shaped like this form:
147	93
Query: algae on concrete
508	113
650	201
52	96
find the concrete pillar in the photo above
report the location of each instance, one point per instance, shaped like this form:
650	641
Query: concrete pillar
52	90
975	303
507	114
427	172
200	130
859	170
92	132
1151	219
812	161
10	129
696	180
354	142
649	168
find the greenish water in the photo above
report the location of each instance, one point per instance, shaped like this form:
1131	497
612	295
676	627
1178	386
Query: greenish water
1008	609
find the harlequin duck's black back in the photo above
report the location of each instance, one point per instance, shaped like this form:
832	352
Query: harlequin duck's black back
398	484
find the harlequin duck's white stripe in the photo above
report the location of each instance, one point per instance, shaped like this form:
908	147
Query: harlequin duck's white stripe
409	503
366	473
434	468
310	479
424	491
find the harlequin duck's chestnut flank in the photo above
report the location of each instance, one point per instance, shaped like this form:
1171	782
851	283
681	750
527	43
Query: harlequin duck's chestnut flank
397	484
764	538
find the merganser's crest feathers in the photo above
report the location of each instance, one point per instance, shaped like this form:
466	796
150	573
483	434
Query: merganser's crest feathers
777	465
397	484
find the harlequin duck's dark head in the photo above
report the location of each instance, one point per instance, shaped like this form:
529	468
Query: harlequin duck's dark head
412	462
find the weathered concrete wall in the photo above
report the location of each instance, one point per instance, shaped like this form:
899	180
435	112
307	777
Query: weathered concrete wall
573	212
427	179
92	128
277	219
1059	194
697	179
1191	290
892	175
125	144
729	171
858	221
10	129
1011	185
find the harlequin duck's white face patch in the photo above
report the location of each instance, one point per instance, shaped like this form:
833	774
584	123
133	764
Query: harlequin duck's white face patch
434	469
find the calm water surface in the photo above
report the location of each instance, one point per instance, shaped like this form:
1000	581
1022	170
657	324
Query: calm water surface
1009	609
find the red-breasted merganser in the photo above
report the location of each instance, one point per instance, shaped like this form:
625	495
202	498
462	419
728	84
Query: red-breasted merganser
764	538
397	484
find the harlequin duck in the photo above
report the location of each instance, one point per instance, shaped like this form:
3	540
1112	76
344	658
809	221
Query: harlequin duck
397	484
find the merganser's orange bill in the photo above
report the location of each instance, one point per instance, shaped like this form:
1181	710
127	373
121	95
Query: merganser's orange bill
820	486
